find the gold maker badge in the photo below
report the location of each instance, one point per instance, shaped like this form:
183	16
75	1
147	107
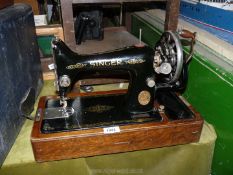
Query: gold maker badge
144	97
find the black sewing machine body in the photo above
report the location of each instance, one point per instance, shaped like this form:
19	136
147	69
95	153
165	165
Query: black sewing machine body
147	87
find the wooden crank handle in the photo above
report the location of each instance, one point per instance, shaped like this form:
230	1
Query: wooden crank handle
187	34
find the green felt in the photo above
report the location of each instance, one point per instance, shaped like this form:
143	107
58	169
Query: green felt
44	43
209	90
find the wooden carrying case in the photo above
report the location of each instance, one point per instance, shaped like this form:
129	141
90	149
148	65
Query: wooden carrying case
131	137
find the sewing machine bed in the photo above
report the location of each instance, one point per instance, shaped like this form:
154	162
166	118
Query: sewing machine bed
100	125
92	112
107	110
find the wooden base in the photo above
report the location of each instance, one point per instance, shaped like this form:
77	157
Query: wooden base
91	142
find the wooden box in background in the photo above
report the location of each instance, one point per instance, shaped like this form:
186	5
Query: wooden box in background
6	3
32	3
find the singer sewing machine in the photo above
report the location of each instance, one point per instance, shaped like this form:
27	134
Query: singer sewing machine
149	114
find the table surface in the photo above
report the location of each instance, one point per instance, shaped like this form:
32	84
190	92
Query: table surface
114	38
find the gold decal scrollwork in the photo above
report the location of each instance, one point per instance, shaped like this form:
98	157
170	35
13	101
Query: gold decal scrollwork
99	108
135	61
76	66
